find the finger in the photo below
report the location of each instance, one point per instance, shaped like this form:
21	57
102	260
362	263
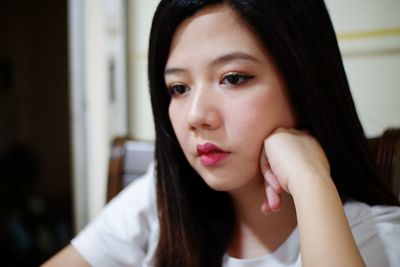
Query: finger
267	172
269	176
271	179
264	164
265	208
274	199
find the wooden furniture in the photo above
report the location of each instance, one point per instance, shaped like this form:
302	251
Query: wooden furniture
386	151
129	159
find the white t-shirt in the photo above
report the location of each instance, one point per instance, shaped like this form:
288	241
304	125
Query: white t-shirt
126	233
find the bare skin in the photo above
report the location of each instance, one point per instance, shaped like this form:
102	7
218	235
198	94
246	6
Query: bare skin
68	257
299	166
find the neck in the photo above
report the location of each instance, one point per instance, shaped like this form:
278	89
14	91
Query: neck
257	234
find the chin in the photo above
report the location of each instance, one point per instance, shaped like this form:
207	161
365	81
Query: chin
220	186
235	183
226	178
223	183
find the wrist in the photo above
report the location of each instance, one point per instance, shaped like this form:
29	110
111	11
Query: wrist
308	183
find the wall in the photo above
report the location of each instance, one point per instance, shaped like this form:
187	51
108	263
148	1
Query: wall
139	24
369	38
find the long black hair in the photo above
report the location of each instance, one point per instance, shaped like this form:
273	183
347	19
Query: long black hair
196	222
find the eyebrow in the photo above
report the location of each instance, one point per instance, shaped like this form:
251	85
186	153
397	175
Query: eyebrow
218	61
234	56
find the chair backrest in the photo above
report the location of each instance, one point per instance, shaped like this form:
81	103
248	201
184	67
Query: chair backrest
129	159
386	152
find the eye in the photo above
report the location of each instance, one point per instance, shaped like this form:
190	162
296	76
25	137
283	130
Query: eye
235	78
177	89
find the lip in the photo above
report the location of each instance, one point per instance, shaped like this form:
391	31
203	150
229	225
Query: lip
210	154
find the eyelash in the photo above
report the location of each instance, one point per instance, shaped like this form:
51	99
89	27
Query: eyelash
240	78
173	89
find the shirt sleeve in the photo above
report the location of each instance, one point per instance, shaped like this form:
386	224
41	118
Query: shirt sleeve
120	235
376	230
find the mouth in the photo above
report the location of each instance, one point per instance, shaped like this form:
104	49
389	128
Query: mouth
210	154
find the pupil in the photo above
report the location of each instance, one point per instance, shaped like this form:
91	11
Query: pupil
233	79
180	89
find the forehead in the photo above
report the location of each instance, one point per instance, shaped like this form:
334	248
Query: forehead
213	31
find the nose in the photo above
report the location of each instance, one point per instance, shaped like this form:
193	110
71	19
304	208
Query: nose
204	110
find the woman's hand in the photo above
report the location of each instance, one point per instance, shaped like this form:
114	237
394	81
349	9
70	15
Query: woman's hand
289	155
293	161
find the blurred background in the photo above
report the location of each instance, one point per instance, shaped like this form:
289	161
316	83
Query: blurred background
73	76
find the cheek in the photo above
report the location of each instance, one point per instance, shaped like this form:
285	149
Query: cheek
255	118
274	111
252	117
177	118
247	128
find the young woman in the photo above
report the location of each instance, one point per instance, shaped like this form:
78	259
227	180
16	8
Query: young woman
260	157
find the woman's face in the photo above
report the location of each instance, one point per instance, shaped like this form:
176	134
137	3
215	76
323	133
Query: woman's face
226	97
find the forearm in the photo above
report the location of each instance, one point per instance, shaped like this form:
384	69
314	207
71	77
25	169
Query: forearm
67	257
325	235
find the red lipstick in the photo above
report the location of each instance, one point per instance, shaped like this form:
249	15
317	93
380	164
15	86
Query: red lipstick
210	154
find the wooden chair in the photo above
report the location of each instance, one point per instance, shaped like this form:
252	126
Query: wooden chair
386	152
129	159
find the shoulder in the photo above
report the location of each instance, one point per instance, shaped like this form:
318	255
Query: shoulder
140	192
126	231
376	230
382	218
135	200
